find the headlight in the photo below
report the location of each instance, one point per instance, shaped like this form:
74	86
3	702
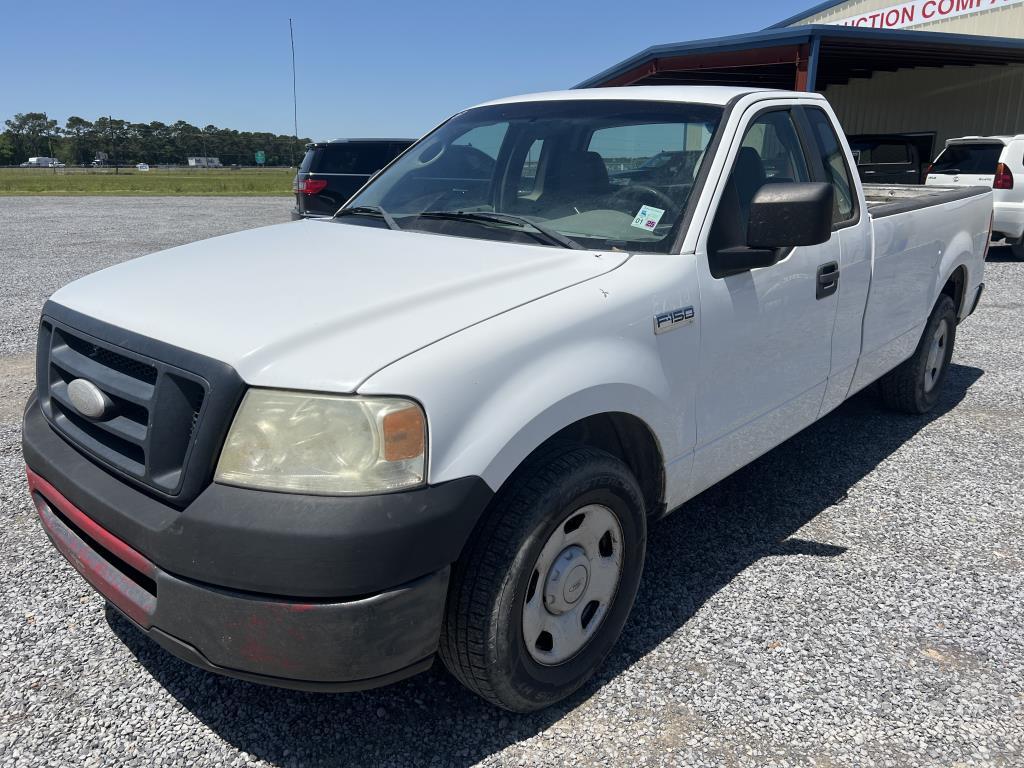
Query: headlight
329	444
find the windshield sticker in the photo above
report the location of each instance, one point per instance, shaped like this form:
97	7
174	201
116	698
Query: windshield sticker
648	217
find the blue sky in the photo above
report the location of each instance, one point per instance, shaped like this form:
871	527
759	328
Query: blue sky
367	69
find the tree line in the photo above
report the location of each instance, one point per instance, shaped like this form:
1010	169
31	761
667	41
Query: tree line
80	141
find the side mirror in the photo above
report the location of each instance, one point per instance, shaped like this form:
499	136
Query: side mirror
789	214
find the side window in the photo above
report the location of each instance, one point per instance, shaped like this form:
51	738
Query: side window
827	143
337	158
773	137
371	157
363	158
769	153
890	153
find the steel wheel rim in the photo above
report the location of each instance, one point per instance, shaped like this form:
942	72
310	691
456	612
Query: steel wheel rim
572	585
936	356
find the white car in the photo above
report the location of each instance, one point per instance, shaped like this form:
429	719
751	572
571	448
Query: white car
990	161
142	166
319	454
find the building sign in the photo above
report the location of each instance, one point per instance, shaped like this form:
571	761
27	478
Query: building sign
916	12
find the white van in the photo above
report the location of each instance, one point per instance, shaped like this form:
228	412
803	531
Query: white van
991	161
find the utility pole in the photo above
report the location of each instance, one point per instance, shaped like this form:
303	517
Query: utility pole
113	151
295	99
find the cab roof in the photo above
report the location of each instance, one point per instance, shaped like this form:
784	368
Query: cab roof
719	95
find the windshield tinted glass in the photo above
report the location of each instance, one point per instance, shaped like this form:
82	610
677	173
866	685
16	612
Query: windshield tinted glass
362	157
968	158
880	152
307	160
608	174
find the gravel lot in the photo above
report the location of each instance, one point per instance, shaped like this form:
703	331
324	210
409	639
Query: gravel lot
853	598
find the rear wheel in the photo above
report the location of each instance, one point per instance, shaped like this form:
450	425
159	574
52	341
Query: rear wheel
914	385
547	580
1017	249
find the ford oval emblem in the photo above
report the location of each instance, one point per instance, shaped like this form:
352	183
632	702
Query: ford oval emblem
88	399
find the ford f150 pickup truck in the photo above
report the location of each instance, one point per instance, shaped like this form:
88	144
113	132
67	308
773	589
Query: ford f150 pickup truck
319	454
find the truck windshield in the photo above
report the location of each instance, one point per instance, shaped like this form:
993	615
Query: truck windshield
602	174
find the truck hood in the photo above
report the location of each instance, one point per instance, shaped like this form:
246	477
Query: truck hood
321	305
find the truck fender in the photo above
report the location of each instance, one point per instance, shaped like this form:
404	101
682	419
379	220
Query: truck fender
515	393
595	401
548	394
958	253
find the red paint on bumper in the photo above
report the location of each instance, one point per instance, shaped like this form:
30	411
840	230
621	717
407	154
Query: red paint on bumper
98	568
323	645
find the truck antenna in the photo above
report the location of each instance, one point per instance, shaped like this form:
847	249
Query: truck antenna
295	99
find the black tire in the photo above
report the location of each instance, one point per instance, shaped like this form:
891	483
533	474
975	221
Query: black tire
482	641
1017	249
905	388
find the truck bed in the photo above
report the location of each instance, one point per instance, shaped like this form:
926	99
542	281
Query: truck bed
890	199
919	235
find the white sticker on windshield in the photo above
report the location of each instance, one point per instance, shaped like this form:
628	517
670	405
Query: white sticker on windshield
648	217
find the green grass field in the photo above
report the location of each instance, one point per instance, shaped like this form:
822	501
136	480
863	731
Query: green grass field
128	181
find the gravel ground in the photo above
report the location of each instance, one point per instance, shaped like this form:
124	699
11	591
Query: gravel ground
852	598
46	242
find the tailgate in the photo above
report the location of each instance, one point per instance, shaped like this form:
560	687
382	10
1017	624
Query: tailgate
961	179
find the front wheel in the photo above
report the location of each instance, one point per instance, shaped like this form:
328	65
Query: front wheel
546	582
914	385
1017	249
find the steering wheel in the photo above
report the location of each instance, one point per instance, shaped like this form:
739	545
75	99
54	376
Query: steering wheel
644	195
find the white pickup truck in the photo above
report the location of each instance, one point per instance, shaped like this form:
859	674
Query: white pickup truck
318	454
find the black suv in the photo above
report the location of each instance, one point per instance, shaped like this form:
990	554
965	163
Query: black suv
332	171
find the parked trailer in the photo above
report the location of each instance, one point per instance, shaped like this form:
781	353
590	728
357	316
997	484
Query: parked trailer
42	162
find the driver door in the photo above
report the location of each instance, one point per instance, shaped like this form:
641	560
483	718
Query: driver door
765	333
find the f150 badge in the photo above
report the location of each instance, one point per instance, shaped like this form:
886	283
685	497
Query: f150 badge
675	318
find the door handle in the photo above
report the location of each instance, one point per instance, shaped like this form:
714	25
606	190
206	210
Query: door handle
828	280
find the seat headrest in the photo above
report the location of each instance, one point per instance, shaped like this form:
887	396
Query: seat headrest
748	174
582	171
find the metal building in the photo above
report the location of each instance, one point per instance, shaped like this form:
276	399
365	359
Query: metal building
1002	18
932	68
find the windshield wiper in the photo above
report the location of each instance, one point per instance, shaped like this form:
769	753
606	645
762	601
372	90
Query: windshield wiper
370	210
507	220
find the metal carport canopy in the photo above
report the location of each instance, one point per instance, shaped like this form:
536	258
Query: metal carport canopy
809	57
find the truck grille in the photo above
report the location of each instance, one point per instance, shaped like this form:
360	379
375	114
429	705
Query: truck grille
153	409
167	410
